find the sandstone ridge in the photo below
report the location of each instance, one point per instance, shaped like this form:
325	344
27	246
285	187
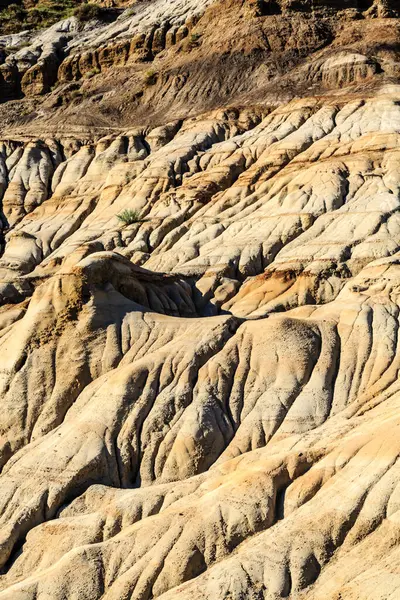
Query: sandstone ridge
200	304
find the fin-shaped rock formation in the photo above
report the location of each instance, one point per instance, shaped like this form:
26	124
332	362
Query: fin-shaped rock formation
200	303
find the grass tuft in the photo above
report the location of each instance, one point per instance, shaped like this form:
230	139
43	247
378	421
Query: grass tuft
129	216
150	78
87	12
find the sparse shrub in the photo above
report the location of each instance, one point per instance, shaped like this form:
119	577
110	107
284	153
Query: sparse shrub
38	16
87	12
59	6
42	14
92	73
194	40
16	48
129	216
150	77
15	9
14	13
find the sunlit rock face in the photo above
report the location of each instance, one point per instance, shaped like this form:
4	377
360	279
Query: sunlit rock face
199	311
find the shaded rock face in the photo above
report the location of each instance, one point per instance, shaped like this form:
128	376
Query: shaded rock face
160	50
10	85
199	315
223	367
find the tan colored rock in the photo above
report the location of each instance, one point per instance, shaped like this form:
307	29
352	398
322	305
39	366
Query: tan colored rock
199	309
225	427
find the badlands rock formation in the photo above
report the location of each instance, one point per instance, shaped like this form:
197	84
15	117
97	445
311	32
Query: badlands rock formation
202	403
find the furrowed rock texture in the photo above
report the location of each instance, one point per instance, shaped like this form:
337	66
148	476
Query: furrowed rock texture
200	304
261	211
31	67
204	403
162	60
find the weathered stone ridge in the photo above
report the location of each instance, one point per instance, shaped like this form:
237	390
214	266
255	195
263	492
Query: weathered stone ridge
199	304
279	34
240	380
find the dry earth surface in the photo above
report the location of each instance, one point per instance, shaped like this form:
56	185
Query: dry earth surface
203	403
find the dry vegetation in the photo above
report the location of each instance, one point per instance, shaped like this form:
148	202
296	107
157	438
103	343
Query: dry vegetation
43	13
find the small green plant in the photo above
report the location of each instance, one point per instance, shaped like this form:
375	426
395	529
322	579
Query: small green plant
14	11
194	40
87	12
16	48
150	77
39	16
129	216
42	13
92	73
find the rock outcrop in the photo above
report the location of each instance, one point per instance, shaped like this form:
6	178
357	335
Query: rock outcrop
199	304
159	54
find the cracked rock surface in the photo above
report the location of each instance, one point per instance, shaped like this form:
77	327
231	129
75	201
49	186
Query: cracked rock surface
199	322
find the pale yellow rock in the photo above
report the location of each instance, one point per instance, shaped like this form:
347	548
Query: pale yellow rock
204	403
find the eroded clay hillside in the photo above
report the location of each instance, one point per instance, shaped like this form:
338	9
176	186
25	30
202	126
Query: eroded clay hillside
201	400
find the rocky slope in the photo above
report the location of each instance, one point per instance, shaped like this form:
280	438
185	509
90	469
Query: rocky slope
202	403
